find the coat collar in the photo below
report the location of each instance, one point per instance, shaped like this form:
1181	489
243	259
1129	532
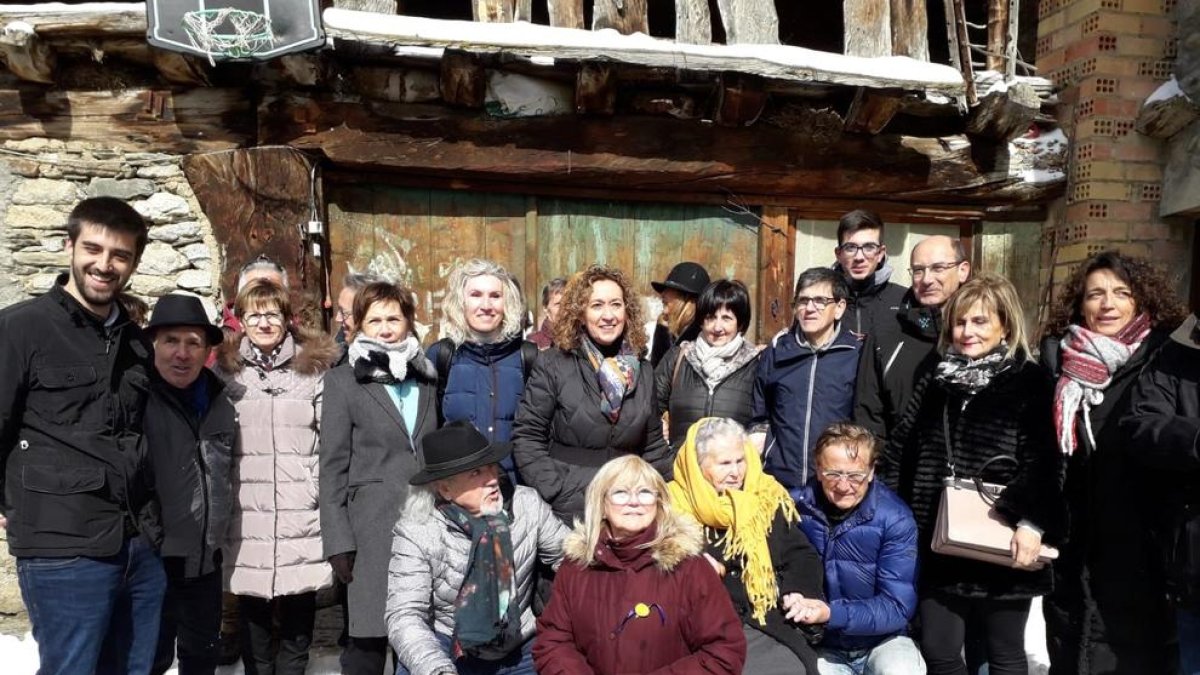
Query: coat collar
1188	334
787	345
812	498
379	393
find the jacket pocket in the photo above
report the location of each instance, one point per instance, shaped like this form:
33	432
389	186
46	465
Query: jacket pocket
65	377
57	480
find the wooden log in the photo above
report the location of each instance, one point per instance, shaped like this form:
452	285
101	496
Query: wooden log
300	69
178	122
871	111
26	54
997	34
626	153
565	13
464	81
910	29
750	21
624	16
595	90
179	68
776	264
868	29
394	84
693	22
740	100
1003	115
1165	117
53	20
493	11
524	11
376	6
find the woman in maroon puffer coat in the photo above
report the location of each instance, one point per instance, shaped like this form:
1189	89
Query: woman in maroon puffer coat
635	594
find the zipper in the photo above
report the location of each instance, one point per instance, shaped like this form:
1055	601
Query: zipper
812	381
205	500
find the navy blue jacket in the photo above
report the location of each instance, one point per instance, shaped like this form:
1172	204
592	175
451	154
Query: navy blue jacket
870	566
484	387
797	393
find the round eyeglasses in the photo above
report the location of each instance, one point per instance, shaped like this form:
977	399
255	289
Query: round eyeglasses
622	497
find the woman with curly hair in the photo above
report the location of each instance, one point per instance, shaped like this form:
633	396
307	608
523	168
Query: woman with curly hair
591	396
1107	613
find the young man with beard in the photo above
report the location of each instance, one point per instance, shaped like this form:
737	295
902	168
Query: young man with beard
73	382
862	259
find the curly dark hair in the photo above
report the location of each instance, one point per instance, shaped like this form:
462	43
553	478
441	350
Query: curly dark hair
1152	292
569	327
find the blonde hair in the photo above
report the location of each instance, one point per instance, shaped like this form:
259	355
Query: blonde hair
569	328
629	471
262	293
683	316
996	294
454	313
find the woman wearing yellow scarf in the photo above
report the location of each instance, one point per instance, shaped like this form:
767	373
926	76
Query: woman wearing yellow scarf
751	536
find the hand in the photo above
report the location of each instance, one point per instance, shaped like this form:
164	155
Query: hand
3	523
716	565
758	440
666	427
1025	546
807	611
343	566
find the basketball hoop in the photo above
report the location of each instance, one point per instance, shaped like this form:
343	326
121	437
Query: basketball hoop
228	32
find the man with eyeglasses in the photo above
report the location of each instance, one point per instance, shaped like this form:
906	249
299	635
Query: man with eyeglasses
805	378
343	310
867	539
862	259
899	351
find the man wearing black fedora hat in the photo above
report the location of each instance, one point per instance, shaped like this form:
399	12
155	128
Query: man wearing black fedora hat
679	292
462	577
190	432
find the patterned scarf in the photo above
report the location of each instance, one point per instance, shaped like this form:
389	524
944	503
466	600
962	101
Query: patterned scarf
487	614
1088	363
745	515
617	376
716	363
969	376
388	363
265	361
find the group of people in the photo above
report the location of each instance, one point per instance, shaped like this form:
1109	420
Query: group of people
590	498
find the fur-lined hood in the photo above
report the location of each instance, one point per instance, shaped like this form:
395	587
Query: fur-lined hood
306	351
686	539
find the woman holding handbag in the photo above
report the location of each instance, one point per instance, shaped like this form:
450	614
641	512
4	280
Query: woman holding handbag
986	399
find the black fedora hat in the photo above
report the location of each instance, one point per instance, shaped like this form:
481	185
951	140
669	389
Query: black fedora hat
686	277
176	309
455	448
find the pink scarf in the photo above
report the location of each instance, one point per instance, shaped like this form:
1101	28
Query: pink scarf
1089	360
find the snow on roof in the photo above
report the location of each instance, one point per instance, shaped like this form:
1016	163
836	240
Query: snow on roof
1169	89
783	62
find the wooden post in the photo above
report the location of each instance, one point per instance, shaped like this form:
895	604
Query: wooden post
740	99
960	49
565	13
693	22
868	28
524	11
871	111
776	237
493	11
750	21
623	16
910	29
464	81
997	34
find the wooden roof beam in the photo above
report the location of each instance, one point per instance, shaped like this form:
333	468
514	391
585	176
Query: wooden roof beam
871	110
624	16
1005	113
26	53
55	20
565	13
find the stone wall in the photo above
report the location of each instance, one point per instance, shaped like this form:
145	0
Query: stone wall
40	181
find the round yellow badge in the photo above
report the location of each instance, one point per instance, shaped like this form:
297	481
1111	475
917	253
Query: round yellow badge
641	609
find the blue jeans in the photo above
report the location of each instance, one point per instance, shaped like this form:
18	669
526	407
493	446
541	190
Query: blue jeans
1189	641
519	662
95	615
894	656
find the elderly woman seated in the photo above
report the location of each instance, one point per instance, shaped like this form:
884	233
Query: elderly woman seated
461	578
635	594
765	560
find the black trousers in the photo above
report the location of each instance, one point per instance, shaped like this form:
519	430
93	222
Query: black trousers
944	621
191	622
297	614
365	656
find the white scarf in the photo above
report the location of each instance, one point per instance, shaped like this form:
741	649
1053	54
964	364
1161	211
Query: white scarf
716	363
396	355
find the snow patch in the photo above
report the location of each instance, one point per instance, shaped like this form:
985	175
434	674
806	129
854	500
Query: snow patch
1169	89
1039	156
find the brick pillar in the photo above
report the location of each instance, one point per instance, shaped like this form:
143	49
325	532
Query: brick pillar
1108	56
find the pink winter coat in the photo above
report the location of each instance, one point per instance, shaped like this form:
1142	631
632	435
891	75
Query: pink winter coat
274	544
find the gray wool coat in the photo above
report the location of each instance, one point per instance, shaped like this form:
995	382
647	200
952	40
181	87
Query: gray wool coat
367	457
429	559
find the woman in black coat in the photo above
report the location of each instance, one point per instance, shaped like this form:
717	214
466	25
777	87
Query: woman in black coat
376	408
713	375
985	399
590	398
1108	612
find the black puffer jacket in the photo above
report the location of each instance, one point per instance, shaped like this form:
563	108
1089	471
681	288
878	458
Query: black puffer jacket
1009	417
561	439
1108	612
683	393
894	358
872	301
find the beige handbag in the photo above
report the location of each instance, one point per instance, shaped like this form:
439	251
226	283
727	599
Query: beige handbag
967	523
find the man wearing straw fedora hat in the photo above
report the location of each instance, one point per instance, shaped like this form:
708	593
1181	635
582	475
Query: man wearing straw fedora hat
461	581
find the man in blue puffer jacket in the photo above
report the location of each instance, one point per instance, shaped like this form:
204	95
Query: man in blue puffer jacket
867	538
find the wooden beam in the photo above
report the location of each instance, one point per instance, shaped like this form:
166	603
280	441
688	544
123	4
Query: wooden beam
868	29
55	20
595	90
997	34
26	54
1165	117
910	29
179	68
524	11
740	100
464	80
1004	114
750	21
179	122
376	6
624	16
871	111
493	11
776	236
693	22
565	13
394	84
304	70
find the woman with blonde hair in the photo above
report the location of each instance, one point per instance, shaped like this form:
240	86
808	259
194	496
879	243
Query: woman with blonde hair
986	404
591	396
680	292
635	593
482	361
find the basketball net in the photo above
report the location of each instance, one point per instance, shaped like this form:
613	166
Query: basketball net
228	32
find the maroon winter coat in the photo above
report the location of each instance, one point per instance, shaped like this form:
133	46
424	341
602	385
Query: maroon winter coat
691	627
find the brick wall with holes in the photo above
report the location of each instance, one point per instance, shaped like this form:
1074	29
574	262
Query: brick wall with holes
1107	56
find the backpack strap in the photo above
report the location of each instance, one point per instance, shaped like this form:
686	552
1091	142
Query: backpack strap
443	354
529	356
678	361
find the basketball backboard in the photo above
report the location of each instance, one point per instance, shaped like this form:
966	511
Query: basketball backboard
235	30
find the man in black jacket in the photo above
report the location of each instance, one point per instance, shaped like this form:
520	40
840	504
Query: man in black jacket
73	381
862	259
191	430
898	352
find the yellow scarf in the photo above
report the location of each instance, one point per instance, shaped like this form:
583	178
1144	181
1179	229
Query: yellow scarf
745	515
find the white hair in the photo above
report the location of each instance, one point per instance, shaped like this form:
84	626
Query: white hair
261	263
716	427
454	315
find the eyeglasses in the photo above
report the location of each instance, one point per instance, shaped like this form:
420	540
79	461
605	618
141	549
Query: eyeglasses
273	318
868	249
937	269
645	497
853	477
819	301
